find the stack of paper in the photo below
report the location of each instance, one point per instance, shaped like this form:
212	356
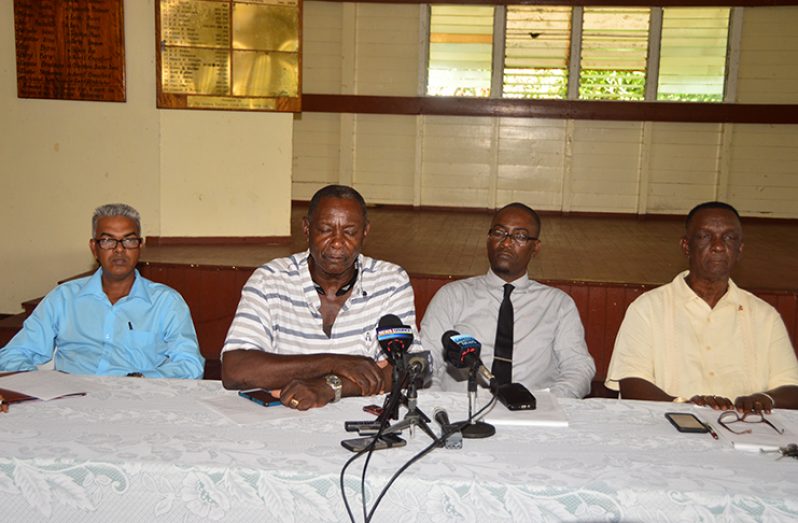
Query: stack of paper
43	385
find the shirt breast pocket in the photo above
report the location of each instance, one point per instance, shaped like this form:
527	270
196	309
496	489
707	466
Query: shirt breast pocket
143	346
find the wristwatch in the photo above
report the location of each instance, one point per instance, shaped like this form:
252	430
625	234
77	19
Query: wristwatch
335	384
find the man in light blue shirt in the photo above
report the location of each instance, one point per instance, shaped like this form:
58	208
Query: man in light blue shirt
113	323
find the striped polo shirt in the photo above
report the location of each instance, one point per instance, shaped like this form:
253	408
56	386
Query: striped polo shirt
279	310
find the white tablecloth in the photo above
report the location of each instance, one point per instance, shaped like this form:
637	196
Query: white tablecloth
147	450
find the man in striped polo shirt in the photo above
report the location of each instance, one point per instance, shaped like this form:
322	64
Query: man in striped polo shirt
306	324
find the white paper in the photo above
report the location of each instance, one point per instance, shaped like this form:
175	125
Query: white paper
547	413
48	384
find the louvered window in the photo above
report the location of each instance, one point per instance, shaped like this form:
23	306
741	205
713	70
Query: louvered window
693	54
614	52
537	49
461	50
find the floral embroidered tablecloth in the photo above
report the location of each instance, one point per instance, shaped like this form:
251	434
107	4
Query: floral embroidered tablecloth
152	450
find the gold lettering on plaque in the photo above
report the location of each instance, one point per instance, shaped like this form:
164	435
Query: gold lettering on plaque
288	3
230	54
258	73
195	23
265	28
224	102
195	71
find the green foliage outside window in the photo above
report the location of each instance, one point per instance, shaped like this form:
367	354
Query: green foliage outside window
535	83
690	97
612	85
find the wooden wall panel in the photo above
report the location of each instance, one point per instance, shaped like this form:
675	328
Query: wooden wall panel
769	56
316	153
457	157
322	47
554	155
424	288
787	305
384	158
212	293
386	51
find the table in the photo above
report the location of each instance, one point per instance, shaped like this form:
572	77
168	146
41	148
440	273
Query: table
151	450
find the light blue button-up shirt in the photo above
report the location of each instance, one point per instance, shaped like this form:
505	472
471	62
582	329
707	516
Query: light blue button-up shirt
148	331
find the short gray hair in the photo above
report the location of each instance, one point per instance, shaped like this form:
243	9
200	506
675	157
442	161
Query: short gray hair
115	209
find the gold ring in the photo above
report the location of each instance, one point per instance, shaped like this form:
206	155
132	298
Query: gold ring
294	402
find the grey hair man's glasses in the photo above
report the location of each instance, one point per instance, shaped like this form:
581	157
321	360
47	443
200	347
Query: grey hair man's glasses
110	244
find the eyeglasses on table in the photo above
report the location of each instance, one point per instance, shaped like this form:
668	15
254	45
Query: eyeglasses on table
731	416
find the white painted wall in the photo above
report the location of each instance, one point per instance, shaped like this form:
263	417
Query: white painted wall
594	166
190	173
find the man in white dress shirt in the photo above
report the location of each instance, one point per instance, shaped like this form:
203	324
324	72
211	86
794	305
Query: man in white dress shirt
548	340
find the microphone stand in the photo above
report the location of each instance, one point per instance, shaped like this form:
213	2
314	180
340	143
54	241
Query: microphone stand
475	429
396	392
414	416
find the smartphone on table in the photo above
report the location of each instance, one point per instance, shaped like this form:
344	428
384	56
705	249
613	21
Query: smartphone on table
515	396
686	422
260	396
386	441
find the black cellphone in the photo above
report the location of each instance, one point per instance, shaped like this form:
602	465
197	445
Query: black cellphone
515	396
686	422
386	441
260	396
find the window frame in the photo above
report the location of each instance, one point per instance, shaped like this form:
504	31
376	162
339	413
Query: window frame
662	111
574	70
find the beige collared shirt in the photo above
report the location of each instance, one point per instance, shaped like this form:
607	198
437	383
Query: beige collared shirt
673	339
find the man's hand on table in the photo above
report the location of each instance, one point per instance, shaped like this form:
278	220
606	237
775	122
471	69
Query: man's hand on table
364	372
759	403
714	402
306	394
3	404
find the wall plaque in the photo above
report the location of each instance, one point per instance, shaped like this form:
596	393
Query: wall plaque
229	54
70	49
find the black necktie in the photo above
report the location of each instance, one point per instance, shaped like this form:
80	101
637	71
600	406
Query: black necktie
503	349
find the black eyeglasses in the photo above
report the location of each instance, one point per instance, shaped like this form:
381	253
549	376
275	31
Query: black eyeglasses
731	416
110	244
499	235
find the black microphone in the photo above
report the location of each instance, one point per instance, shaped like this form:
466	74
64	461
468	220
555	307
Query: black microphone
394	338
418	362
462	351
454	438
442	417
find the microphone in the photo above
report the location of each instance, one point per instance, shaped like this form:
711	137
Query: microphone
442	417
418	363
455	439
394	338
462	351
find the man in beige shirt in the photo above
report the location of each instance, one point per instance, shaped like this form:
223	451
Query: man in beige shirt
702	339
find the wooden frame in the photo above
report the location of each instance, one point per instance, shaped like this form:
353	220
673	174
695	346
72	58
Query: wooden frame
70	50
227	101
573	109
